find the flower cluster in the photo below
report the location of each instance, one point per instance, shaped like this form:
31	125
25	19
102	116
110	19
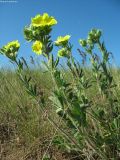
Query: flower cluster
11	49
93	38
39	32
62	41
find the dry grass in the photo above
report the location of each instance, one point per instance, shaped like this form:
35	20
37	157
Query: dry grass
24	132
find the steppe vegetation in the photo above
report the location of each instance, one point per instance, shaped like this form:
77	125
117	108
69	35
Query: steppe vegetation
59	112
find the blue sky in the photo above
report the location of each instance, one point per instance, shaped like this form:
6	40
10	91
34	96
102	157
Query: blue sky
75	17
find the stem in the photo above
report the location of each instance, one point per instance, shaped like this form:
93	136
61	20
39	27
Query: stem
70	138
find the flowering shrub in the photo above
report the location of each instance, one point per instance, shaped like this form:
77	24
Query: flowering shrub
94	131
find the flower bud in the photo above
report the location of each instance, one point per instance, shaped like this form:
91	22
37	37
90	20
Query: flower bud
94	35
83	43
63	53
89	41
28	34
99	33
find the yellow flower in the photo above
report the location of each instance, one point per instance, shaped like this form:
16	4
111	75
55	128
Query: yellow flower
37	47
63	53
43	20
12	44
62	40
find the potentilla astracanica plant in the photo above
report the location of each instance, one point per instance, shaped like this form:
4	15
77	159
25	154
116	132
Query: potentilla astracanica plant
92	129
